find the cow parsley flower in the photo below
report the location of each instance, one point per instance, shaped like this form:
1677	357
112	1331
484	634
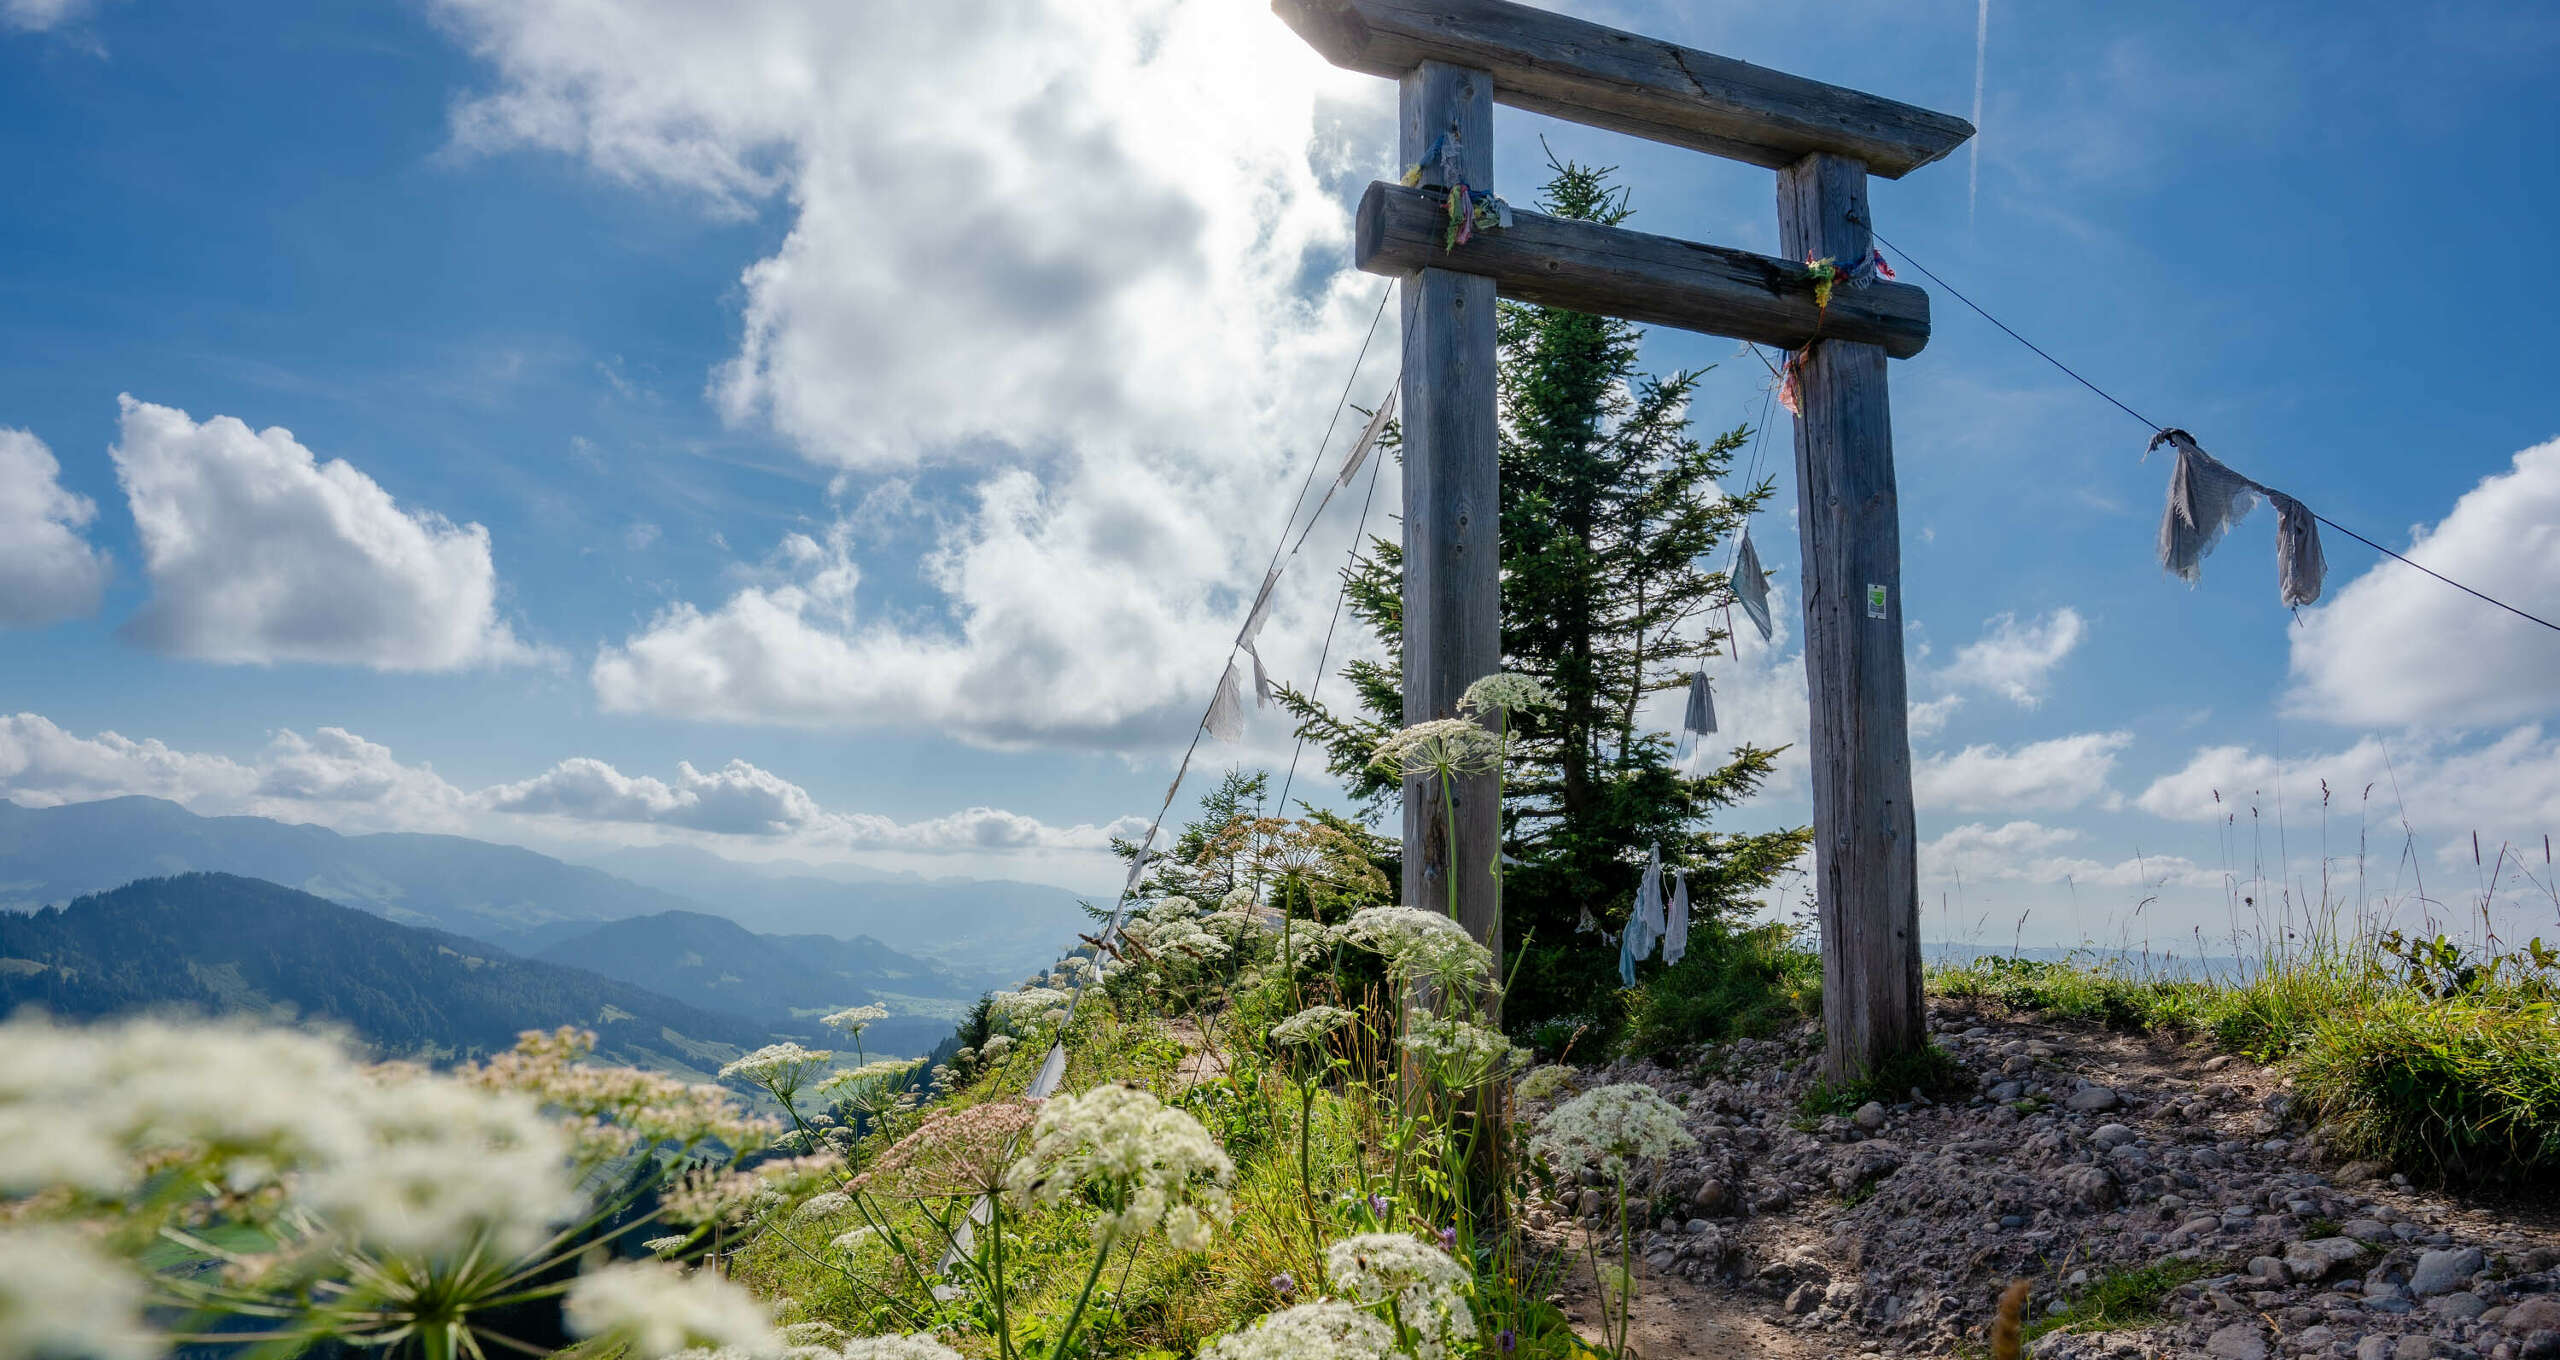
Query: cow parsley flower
853	1019
1441	748
1458	1053
1328	1330
1420	945
1309	1026
1426	1285
996	1047
1612	1126
445	1169
781	1069
1029	1009
1506	692
1545	1082
658	1310
61	1297
1144	1164
952	1154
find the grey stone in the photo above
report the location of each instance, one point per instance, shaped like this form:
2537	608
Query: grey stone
2092	1099
2322	1257
2374	1348
2414	1347
2444	1271
1805	1299
2007	1091
2459	1307
2540	1345
2239	1341
1712	1198
2270	1269
1870	1116
2112	1135
2536	1314
2357	1173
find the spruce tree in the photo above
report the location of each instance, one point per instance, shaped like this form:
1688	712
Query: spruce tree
1611	519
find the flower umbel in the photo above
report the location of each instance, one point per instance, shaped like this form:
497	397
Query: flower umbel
1442	748
1425	1284
1612	1126
1143	1163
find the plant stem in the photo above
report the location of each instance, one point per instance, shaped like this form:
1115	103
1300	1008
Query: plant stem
1626	1259
1068	1333
1449	817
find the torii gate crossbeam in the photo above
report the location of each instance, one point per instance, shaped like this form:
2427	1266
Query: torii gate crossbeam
1455	59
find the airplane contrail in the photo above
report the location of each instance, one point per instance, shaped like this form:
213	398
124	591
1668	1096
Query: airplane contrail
1981	48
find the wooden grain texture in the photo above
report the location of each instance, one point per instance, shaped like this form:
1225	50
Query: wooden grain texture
1610	271
1572	69
1452	520
1866	874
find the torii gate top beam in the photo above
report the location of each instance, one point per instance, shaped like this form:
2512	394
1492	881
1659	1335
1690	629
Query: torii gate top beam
1587	73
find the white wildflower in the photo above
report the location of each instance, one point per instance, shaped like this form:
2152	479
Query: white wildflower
1240	900
1612	1126
658	1310
813	1334
825	1204
897	1348
1309	1026
1420	944
1546	1082
1505	692
996	1047
1328	1330
1139	1160
1425	1283
853	1019
446	1169
780	1068
1028	1010
851	1242
1458	1053
1441	748
62	1299
660	1246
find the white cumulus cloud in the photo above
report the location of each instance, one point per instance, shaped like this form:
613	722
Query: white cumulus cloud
2016	660
2031	852
736	799
258	552
48	572
1090	254
2063	772
2396	647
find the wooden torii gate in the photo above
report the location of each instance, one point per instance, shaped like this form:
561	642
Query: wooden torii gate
1455	59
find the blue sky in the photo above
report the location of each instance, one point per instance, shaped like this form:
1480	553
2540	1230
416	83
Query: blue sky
872	418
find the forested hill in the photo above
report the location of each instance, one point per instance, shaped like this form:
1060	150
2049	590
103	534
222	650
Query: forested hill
222	944
779	979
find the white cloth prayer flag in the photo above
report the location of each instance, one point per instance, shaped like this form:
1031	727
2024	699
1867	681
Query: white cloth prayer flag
1701	718
1368	436
1226	710
1261	680
2300	565
1261	607
1675	930
2205	500
1751	586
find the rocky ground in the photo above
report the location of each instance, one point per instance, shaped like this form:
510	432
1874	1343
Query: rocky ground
2086	1156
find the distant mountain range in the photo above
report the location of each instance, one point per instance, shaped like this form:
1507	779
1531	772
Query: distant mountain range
221	944
994	931
783	980
980	933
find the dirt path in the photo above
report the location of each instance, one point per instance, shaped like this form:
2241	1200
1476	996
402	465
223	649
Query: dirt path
1671	1318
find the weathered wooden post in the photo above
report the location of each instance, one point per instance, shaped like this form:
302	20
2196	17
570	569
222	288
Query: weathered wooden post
1452	503
1866	876
1455	57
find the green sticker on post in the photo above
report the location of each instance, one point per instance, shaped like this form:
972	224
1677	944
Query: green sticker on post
1875	601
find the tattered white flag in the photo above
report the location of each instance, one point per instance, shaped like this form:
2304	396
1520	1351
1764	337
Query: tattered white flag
2205	500
1261	607
2300	565
1675	929
1261	679
1369	436
1751	586
1226	711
